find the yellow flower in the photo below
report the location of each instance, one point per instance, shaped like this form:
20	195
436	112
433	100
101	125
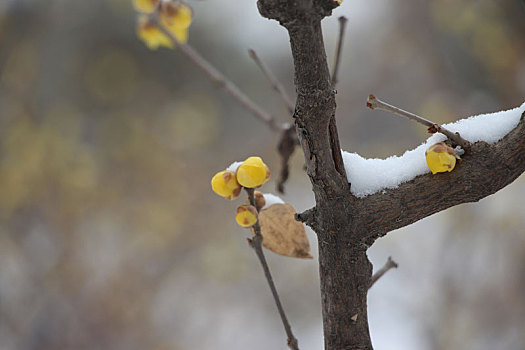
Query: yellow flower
175	16
440	158
246	216
253	172
151	35
225	184
145	6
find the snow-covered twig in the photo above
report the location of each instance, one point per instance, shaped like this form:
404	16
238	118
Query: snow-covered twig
375	103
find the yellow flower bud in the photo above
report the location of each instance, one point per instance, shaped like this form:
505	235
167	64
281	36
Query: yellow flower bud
246	215
253	172
440	158
145	6
225	184
260	202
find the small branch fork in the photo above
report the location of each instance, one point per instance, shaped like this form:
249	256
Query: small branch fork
288	140
375	103
219	79
256	244
388	265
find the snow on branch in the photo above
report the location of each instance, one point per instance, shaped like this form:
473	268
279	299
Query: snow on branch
369	176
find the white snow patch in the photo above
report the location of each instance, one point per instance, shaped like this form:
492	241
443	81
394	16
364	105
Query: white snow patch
234	166
271	199
368	176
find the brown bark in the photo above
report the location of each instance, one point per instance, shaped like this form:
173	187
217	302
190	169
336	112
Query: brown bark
346	226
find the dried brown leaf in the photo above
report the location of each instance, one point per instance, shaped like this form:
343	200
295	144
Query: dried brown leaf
282	234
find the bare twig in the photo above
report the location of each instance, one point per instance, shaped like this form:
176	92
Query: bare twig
375	103
235	92
276	85
256	244
332	126
342	26
388	265
219	79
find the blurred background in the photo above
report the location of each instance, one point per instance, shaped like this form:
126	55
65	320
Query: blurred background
111	238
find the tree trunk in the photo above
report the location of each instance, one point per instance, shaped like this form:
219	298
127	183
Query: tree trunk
345	276
347	226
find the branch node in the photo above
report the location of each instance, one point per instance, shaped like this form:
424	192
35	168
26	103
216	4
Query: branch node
307	217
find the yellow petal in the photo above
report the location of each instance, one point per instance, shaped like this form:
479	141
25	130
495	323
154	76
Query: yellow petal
151	35
176	14
440	158
145	6
246	215
225	184
181	34
253	172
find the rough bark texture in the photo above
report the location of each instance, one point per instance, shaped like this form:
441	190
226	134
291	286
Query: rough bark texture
347	226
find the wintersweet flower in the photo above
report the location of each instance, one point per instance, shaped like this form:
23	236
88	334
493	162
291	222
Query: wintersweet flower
253	173
441	158
175	16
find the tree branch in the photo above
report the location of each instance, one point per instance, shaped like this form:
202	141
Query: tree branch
486	170
256	244
388	265
276	85
375	103
315	105
332	127
219	79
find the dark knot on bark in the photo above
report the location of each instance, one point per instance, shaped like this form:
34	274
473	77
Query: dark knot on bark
308	217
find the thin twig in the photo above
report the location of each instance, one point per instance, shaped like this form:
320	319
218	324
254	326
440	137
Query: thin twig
342	26
256	244
276	85
375	103
219	79
227	85
332	126
388	265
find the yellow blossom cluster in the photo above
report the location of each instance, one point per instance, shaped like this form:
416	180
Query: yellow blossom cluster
252	173
174	15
